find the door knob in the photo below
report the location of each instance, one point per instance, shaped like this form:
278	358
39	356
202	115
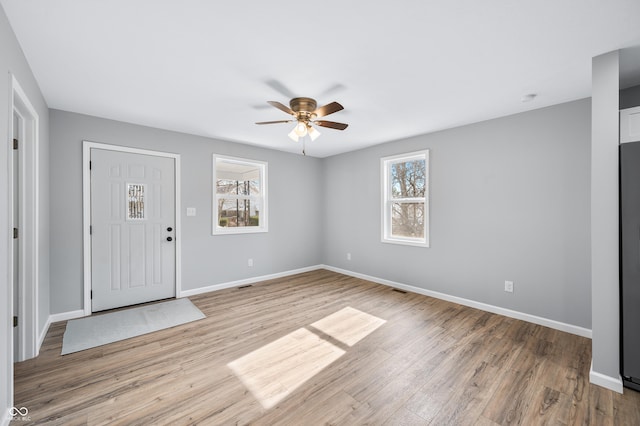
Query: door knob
169	229
169	239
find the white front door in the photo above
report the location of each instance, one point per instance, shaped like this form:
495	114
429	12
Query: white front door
133	254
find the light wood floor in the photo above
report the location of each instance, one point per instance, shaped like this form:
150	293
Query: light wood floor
431	362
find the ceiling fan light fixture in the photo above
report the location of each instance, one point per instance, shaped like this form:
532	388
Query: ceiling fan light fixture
313	133
301	129
293	135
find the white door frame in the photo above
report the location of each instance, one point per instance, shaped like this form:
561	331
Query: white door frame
29	228
86	211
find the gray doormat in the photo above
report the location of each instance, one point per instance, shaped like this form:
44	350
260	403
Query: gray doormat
98	330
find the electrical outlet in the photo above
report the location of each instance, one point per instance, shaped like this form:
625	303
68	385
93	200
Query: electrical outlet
508	286
250	262
348	256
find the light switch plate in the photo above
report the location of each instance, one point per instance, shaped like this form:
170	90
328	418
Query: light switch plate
508	286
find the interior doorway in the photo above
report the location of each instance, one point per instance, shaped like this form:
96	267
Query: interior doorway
16	195
24	211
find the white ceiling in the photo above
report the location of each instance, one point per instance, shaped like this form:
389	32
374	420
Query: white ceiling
400	68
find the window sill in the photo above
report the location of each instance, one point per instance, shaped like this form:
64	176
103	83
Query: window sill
406	242
234	231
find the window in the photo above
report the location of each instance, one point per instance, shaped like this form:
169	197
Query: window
135	201
405	199
240	195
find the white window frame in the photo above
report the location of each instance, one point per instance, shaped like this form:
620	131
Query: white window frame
261	200
388	200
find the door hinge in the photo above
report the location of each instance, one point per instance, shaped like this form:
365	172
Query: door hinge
91	295
90	229
15	144
89	165
15	233
15	321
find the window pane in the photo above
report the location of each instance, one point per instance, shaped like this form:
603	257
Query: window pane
235	213
226	186
238	187
135	201
407	220
408	179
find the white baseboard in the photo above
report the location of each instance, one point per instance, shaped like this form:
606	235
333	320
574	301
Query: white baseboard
207	289
4	420
557	325
65	316
608	382
43	334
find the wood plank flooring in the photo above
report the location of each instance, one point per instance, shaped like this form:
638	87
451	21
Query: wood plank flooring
431	362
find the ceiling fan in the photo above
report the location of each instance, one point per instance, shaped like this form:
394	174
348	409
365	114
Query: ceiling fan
306	112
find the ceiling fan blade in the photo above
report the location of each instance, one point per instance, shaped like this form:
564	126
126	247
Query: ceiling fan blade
281	107
274	122
332	90
331	124
328	109
279	87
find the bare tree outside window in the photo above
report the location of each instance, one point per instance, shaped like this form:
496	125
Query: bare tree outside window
407	183
238	211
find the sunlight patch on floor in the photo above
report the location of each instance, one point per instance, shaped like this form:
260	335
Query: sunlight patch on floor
275	370
348	325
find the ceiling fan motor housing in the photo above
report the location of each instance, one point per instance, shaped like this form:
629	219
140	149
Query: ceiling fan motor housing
307	105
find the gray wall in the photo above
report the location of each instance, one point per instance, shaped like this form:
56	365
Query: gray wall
294	206
509	201
12	61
